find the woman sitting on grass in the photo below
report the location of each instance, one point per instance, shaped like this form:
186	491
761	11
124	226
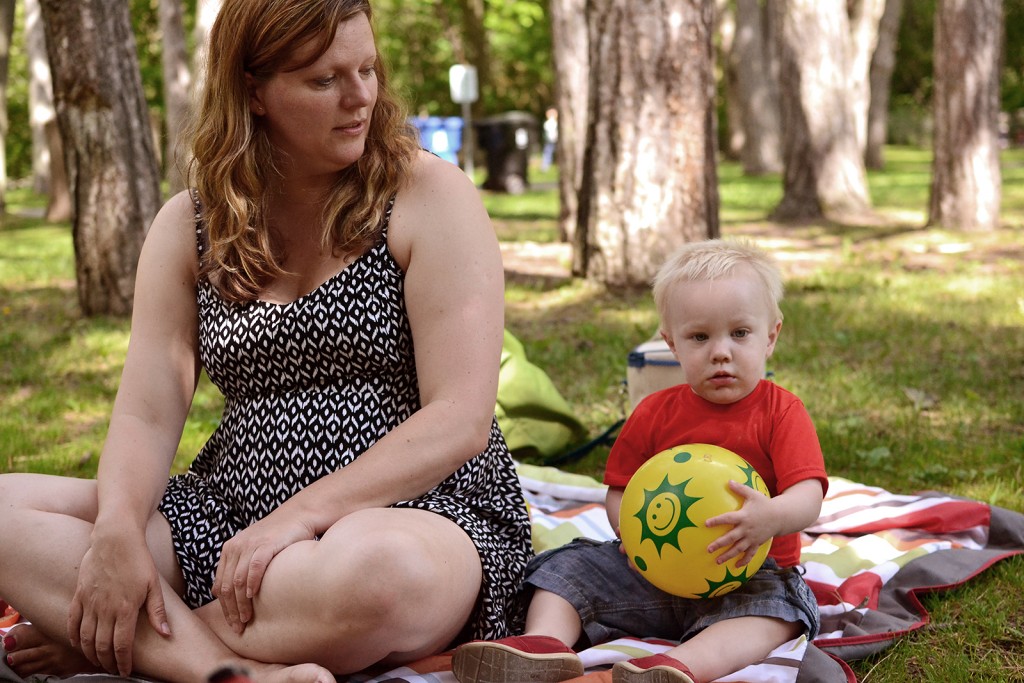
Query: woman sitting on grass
357	503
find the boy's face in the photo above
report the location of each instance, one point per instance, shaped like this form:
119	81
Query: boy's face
722	332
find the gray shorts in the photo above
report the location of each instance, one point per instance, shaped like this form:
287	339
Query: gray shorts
614	600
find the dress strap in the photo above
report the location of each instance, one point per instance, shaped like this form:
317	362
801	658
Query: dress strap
201	237
386	220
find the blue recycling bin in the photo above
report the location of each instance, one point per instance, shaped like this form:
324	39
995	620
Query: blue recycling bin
440	135
453	128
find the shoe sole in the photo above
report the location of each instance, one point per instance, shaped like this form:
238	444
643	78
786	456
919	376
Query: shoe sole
624	672
496	663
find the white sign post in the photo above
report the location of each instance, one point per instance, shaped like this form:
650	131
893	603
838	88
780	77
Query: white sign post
462	80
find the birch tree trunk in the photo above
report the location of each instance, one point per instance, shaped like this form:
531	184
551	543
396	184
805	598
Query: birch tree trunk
865	17
649	177
883	62
824	168
570	52
109	152
753	61
177	81
40	96
966	179
49	176
6	33
206	14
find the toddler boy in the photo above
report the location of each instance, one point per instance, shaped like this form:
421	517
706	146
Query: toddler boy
719	307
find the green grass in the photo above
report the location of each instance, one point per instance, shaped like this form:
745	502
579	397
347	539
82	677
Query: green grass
59	372
907	344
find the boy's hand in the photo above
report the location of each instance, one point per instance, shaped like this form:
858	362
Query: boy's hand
752	525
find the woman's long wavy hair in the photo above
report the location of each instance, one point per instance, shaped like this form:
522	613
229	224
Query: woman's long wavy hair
232	162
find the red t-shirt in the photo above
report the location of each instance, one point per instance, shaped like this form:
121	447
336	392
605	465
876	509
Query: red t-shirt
770	429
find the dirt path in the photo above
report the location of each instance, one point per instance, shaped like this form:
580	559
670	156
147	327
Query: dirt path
801	250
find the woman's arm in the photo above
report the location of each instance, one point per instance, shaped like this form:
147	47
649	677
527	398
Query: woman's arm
118	575
160	373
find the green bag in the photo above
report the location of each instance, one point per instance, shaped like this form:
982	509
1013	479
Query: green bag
533	415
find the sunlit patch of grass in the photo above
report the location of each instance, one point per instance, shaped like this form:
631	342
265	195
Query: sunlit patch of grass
746	198
528	217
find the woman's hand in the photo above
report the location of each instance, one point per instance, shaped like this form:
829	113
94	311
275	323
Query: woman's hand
244	560
752	525
116	579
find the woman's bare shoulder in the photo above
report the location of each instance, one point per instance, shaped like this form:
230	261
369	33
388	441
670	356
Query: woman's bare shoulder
177	214
173	231
439	201
434	179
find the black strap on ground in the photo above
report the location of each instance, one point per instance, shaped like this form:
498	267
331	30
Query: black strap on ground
605	438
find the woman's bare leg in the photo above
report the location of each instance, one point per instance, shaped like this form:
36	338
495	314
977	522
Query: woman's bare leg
45	535
382	585
27	503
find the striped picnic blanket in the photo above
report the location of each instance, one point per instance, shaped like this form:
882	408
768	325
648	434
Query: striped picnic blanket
866	558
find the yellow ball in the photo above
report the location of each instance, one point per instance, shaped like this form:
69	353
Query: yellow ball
662	515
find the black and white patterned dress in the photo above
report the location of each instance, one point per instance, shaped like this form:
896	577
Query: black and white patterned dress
308	387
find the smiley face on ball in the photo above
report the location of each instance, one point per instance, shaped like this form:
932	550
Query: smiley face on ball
663	513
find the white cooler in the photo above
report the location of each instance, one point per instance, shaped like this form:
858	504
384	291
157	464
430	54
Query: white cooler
651	367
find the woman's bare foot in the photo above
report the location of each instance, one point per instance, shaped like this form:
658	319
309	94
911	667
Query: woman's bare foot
29	652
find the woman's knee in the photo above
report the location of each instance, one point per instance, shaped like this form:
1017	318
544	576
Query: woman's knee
48	493
392	562
403	560
377	586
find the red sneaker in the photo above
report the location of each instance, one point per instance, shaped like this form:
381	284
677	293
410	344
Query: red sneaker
653	669
519	659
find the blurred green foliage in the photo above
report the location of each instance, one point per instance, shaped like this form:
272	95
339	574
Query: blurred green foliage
421	39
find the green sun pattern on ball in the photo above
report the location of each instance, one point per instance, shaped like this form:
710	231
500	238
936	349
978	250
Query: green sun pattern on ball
664	514
729	578
751	474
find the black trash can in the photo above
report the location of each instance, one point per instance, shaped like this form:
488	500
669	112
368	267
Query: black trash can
507	140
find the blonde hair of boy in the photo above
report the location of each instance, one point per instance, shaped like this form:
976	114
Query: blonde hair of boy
713	260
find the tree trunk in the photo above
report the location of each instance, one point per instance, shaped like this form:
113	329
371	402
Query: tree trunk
649	177
49	175
865	16
108	146
473	32
206	14
177	79
570	50
58	209
753	62
40	96
966	179
731	139
882	64
824	169
6	32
